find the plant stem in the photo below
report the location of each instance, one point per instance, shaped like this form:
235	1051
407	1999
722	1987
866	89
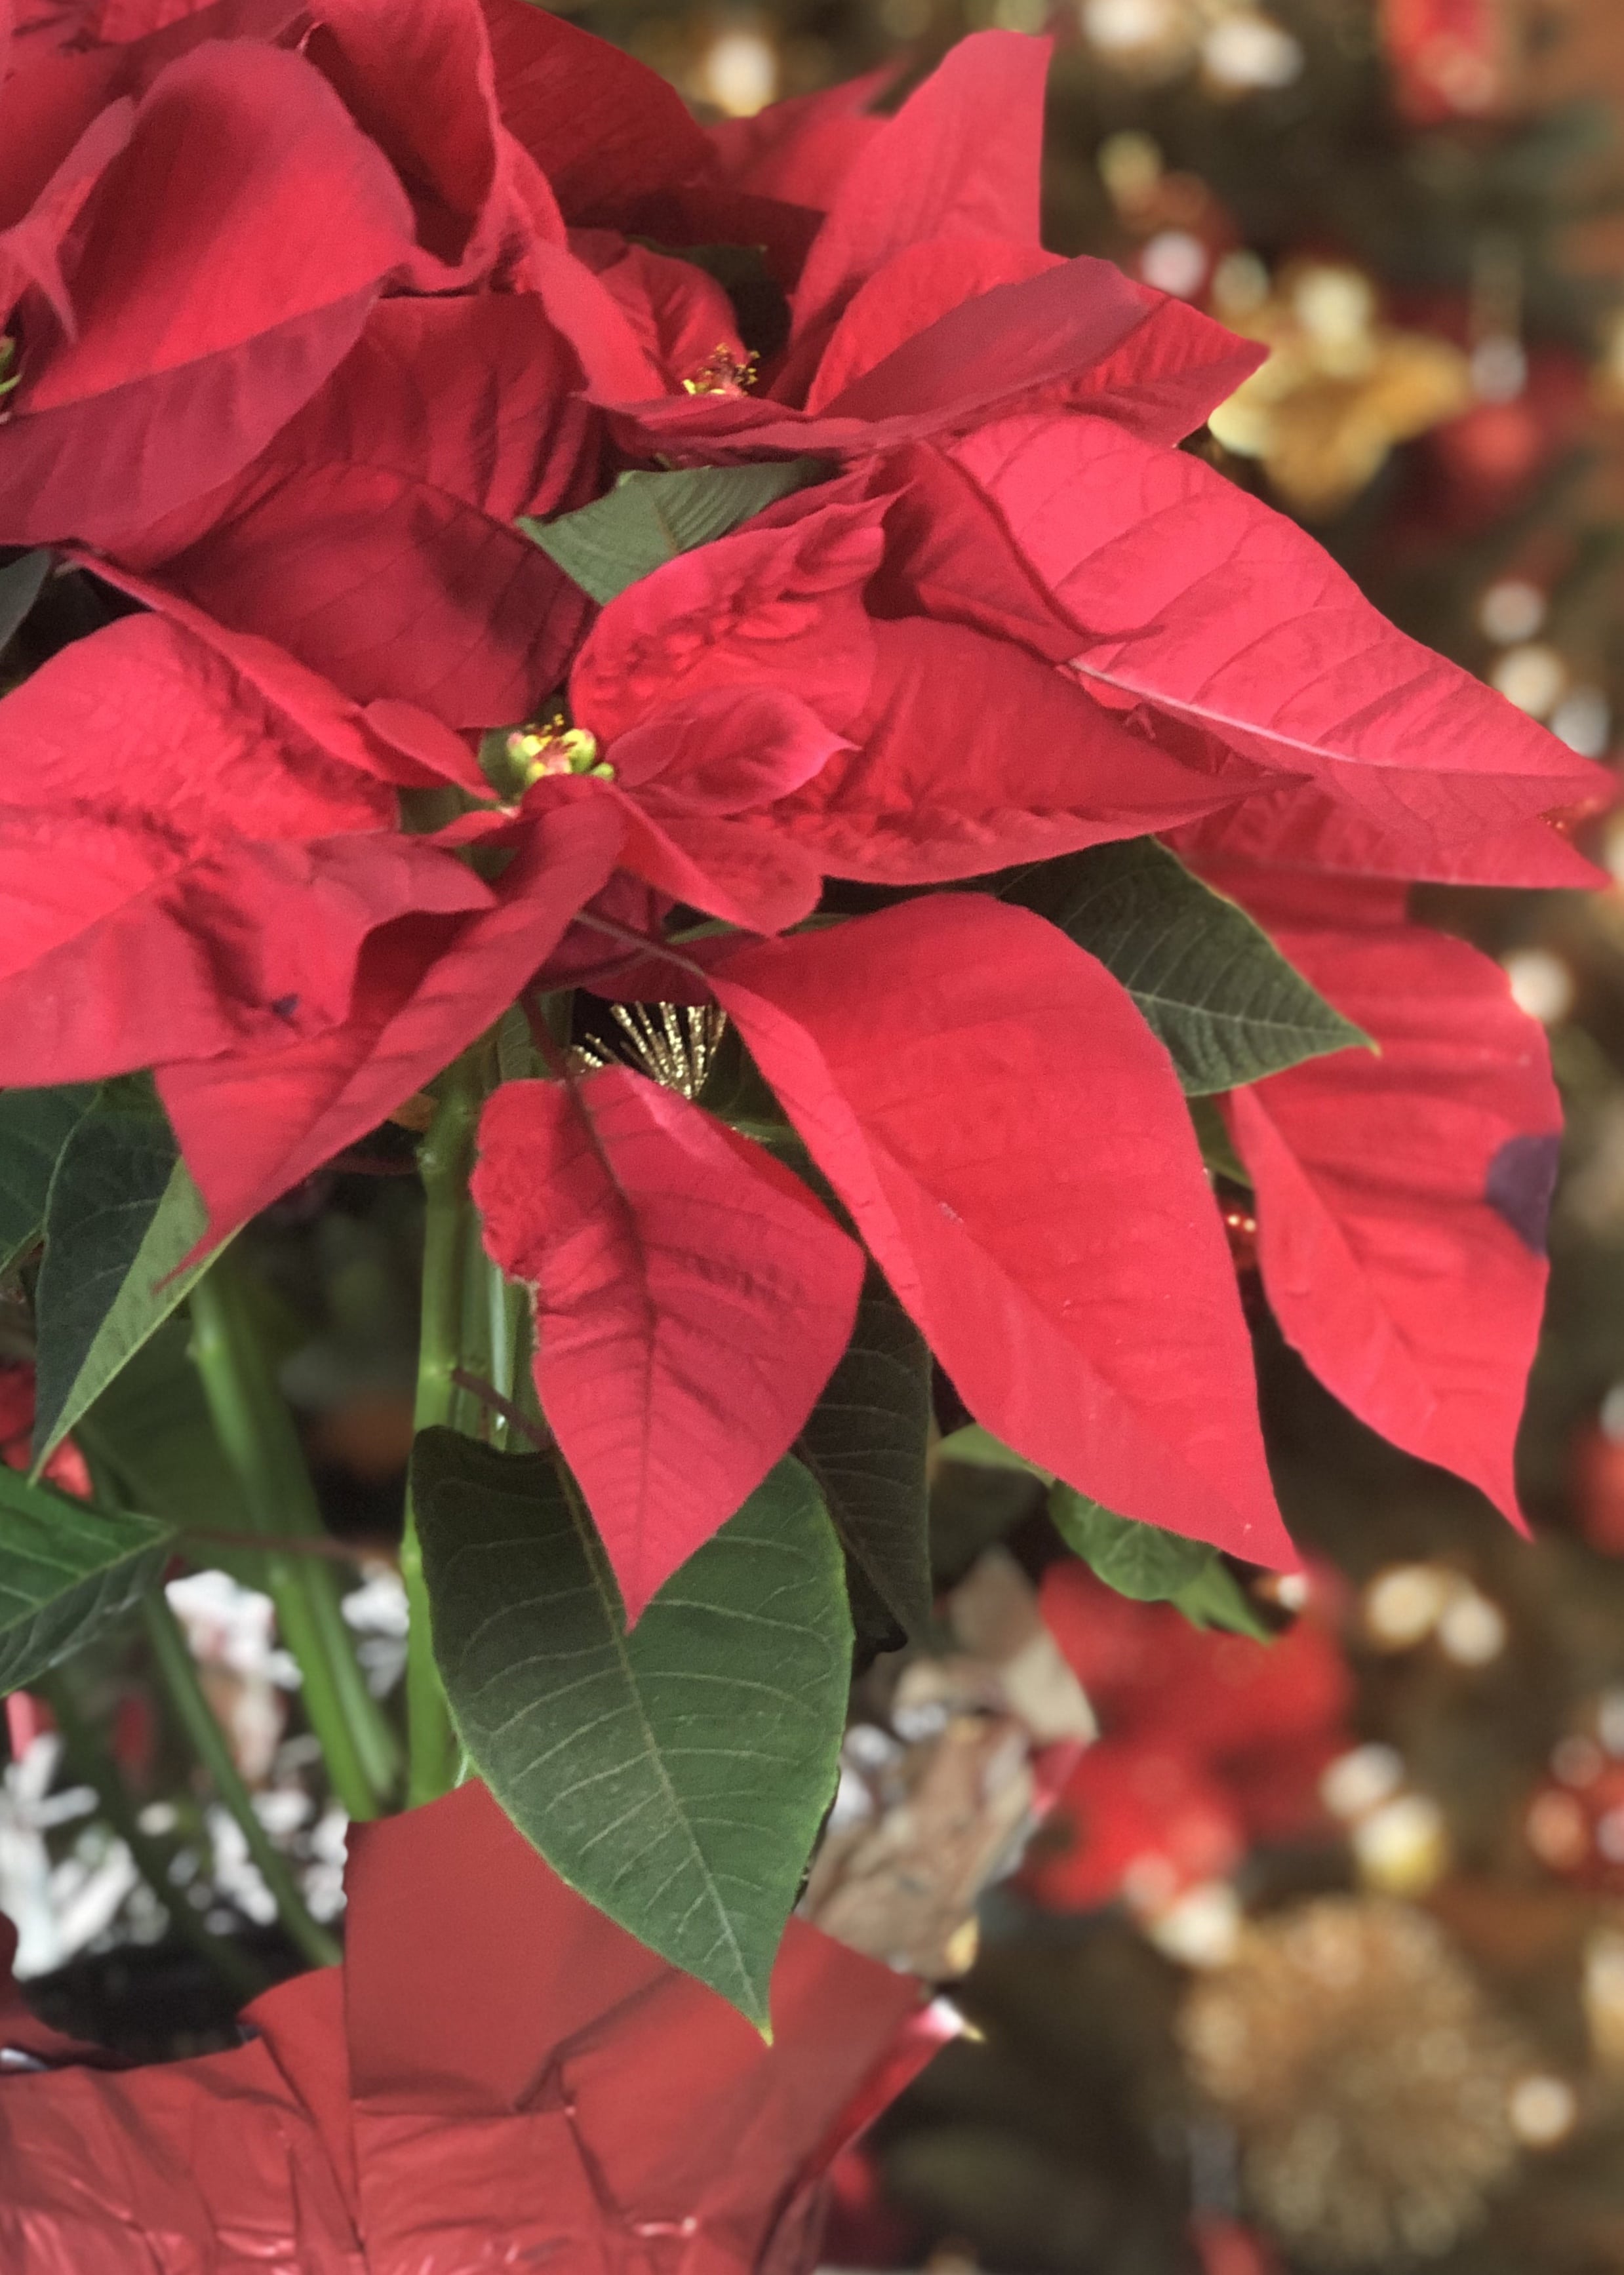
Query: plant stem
257	1434
92	1765
178	1670
450	1246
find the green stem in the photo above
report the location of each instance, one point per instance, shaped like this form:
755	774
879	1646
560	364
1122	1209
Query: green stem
505	1299
450	1243
92	1765
257	1434
178	1670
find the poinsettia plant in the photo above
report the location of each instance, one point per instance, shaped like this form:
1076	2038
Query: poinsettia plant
690	665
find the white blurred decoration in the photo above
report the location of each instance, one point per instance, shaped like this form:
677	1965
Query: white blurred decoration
1174	262
738	71
1511	610
1201	1928
1239	48
1404	1603
230	1626
1471	1629
1402	1849
1360	1781
378	1614
1500	368
1543	2110
1132	30
1240	285
1247	50
232	1633
1532	675
1541	983
1583	721
34	1891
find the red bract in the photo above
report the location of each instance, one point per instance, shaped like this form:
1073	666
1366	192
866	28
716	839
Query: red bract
389	505
495	2075
944	1064
692	1301
1402	1198
388	294
1203	609
254	1121
223	259
66	1467
764	730
155	798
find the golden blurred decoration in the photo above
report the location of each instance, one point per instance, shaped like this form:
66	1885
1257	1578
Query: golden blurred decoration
1371	2084
1341	388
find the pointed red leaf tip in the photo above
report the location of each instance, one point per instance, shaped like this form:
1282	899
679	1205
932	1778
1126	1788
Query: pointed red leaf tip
223	264
961	158
1403	1199
607	132
1087	335
254	1120
387	505
1202	605
802	149
418	76
692	1300
1013	1144
1297	827
972	754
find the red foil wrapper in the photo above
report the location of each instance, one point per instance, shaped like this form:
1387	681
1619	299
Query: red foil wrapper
497	2078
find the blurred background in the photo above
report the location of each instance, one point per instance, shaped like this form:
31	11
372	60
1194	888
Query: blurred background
1318	1960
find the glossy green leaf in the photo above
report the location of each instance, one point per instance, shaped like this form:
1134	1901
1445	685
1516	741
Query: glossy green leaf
1137	1560
648	519
34	1126
1211	984
21	583
121	1214
1217	1145
978	1449
150	1430
866	1447
1153	1566
1215	1599
66	1572
676	1776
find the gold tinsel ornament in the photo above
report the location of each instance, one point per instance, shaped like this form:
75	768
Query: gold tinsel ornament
1368	2080
1341	388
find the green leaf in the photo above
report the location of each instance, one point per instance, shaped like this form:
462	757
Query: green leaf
1217	1146
121	1214
34	1125
866	1447
150	1429
1152	1566
1212	985
676	1776
1140	1561
21	584
648	519
978	1449
66	1572
1217	1599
